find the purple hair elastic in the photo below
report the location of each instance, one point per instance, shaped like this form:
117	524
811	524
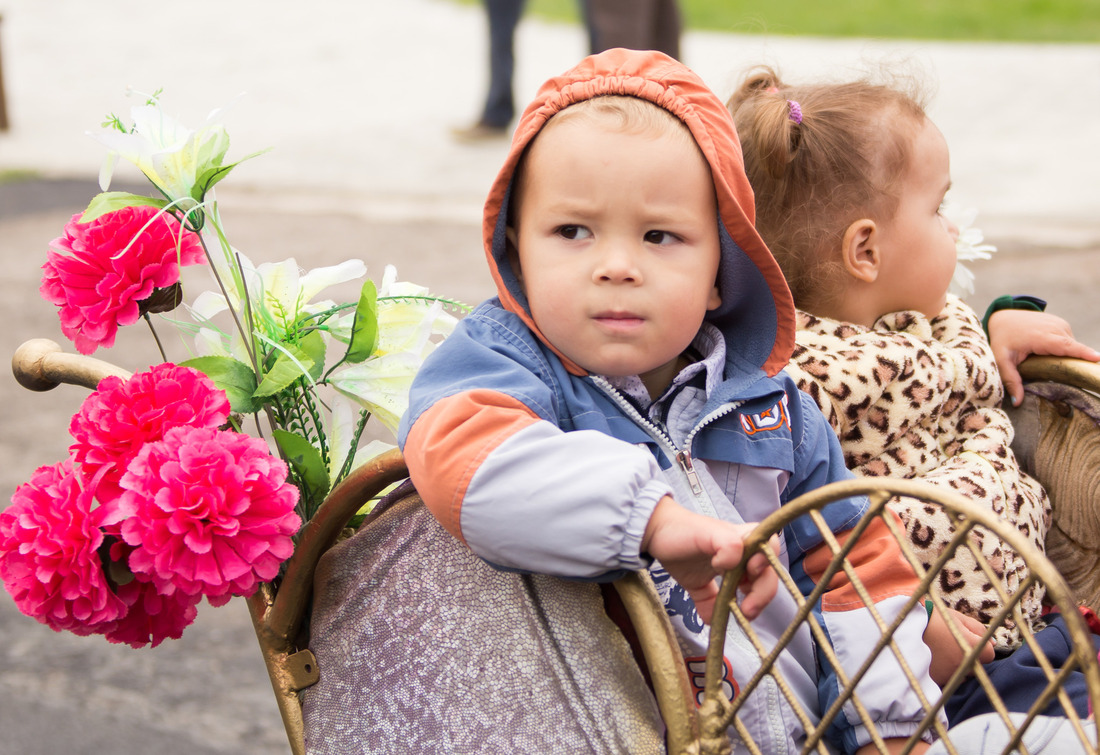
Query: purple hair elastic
796	111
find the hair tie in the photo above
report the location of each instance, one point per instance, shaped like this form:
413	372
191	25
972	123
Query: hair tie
796	111
772	90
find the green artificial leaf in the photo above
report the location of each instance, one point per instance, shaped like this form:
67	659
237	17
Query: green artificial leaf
119	573
364	333
206	181
306	460
212	175
234	377
109	201
291	364
312	345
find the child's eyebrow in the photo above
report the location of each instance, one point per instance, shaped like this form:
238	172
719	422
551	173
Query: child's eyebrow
571	207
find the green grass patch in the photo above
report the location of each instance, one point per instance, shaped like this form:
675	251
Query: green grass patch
12	176
976	20
979	20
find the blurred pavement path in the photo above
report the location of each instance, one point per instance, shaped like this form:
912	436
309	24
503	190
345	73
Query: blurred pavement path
357	96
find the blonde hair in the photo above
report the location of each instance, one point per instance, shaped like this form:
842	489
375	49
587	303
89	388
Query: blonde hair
632	115
813	178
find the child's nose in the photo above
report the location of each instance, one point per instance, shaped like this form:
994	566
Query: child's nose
617	264
952	229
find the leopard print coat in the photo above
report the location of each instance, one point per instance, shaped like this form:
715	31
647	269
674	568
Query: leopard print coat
913	397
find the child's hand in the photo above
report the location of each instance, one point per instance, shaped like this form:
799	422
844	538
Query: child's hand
946	657
946	653
1015	334
696	548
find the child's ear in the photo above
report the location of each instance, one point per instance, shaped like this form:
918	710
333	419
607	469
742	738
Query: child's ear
715	299
860	251
511	248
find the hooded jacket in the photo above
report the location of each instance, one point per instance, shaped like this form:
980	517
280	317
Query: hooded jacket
539	466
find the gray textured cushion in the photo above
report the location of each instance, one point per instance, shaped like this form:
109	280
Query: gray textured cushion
423	648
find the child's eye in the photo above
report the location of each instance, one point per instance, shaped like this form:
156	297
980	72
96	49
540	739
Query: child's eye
573	232
659	237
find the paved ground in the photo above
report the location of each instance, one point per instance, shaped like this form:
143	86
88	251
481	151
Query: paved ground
356	98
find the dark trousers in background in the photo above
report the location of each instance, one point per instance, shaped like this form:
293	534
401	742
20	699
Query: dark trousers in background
634	24
503	17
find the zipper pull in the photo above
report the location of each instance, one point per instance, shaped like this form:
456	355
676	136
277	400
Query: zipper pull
684	458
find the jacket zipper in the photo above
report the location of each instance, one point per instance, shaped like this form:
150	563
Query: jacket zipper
682	457
687	466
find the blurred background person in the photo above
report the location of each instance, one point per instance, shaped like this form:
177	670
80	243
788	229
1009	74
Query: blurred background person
499	109
635	24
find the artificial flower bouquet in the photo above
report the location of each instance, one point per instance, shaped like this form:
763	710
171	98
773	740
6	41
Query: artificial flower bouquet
192	479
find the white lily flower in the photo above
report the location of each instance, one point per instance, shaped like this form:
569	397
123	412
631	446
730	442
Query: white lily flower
213	340
341	433
286	293
278	294
968	247
404	324
380	384
408	325
170	155
408	330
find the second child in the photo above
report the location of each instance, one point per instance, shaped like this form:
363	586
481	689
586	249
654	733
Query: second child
849	181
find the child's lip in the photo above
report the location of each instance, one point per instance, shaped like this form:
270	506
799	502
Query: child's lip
619	320
617	315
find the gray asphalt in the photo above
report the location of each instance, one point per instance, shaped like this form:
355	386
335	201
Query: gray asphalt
356	100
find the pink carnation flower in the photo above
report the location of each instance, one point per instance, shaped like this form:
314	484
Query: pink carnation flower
119	417
209	511
102	269
49	560
151	617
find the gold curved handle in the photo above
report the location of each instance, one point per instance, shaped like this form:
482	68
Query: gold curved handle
664	659
1079	373
41	365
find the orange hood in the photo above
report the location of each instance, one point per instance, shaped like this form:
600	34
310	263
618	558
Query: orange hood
757	314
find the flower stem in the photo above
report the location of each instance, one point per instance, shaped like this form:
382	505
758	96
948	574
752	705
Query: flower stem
246	335
160	346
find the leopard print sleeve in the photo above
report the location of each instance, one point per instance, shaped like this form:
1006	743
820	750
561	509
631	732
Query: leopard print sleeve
959	329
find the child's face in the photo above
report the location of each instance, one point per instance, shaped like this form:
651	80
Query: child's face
617	236
918	243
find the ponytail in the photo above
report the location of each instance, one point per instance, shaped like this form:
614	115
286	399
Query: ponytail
771	129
